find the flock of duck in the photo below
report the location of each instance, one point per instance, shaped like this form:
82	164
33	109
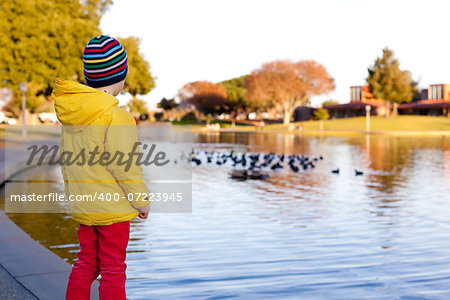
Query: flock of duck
256	165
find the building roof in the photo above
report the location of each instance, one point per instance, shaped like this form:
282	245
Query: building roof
423	104
354	105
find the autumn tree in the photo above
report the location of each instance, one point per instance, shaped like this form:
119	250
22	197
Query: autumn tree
139	79
288	84
207	97
388	82
42	40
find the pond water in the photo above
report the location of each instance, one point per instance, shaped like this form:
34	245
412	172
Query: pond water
310	235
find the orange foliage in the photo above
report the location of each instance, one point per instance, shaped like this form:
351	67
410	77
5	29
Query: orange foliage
204	95
288	84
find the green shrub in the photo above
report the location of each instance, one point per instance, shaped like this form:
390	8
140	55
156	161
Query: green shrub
321	114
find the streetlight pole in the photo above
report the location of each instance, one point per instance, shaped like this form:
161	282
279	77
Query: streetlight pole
368	108
23	88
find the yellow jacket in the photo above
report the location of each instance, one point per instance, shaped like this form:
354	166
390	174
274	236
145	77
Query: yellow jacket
97	122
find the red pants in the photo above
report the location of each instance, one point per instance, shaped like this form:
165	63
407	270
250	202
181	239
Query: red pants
103	251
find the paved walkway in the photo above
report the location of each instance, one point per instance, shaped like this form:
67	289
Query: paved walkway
28	270
11	289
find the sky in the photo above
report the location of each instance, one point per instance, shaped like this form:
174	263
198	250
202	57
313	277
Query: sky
215	40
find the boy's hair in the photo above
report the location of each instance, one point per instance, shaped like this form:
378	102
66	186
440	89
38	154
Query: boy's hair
105	61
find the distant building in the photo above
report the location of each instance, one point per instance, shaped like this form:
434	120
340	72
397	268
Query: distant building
423	95
303	113
360	96
434	101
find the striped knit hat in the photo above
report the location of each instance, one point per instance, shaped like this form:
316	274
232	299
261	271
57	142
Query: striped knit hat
104	61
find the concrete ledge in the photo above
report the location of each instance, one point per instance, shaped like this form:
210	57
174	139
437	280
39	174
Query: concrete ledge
10	289
34	267
28	270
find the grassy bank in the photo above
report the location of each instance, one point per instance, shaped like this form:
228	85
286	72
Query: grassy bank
377	124
400	123
223	124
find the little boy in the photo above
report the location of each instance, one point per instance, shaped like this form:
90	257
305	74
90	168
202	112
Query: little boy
92	121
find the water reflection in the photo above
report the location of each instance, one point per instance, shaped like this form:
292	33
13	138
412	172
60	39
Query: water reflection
308	234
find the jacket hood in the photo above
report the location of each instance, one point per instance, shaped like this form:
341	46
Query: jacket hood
79	104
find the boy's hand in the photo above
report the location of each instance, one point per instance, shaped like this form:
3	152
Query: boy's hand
143	212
